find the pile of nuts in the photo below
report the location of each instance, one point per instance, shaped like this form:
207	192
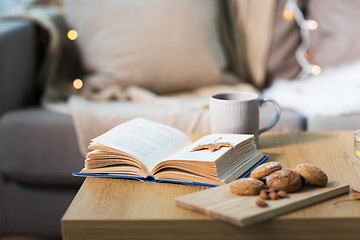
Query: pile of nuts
269	194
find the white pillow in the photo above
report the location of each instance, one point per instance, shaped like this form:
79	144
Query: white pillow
161	45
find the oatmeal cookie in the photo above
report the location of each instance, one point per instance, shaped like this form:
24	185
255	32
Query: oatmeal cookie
246	186
287	180
265	169
312	174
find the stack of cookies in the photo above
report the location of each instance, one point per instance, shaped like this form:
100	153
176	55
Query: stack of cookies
271	181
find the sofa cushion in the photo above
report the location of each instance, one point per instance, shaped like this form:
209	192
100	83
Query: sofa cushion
282	63
164	46
330	123
336	40
34	210
17	63
38	146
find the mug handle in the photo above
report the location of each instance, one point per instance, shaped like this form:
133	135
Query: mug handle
277	117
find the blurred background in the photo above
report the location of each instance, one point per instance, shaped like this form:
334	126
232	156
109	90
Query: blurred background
71	70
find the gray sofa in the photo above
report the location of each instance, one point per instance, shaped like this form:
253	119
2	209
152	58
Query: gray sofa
39	150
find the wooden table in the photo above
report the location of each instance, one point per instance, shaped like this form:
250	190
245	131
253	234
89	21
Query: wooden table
128	209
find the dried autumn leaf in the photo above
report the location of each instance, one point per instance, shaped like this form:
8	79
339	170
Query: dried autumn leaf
212	146
354	191
356	195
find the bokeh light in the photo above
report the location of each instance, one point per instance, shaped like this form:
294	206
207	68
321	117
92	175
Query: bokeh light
72	34
77	83
316	70
312	24
287	14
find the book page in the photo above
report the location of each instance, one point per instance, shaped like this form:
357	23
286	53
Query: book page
148	141
206	155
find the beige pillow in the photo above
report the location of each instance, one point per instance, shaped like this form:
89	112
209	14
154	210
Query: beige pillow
161	45
336	40
282	63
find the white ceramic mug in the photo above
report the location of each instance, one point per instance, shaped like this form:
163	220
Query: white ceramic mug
238	112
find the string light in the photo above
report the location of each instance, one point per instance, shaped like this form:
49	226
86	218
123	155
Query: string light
72	34
287	14
316	70
312	24
78	84
292	11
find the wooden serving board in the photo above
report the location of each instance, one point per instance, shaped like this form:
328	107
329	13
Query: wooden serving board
242	211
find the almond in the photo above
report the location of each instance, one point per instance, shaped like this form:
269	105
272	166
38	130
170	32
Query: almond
261	203
272	190
282	194
273	195
264	194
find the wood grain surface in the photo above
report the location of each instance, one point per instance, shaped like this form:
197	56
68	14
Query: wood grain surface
128	209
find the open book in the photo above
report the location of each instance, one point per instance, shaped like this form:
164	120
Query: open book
150	151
